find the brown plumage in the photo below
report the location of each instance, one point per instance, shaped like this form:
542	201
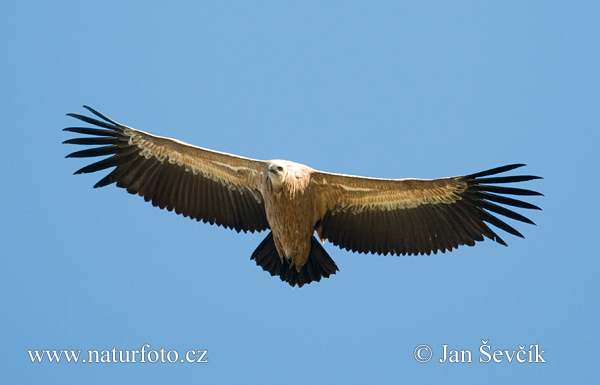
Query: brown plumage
368	215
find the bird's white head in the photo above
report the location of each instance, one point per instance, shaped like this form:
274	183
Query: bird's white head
277	172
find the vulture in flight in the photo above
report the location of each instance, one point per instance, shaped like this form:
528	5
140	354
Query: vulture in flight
293	201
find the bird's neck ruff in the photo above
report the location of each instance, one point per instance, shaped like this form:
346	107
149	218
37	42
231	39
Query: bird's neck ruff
295	183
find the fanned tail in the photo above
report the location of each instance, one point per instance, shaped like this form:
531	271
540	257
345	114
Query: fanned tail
319	263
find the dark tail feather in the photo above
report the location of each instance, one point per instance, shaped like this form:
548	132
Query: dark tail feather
319	263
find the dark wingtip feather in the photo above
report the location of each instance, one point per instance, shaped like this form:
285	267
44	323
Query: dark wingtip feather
507	179
505	212
104	181
483	189
95	122
506	190
496	170
505	200
94	141
93	152
500	241
100	115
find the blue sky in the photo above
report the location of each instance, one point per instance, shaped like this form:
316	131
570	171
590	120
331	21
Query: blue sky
383	89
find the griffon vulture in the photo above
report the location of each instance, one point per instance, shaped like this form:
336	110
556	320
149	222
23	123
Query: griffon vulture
368	215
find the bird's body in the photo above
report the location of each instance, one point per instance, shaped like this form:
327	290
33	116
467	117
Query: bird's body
290	211
395	216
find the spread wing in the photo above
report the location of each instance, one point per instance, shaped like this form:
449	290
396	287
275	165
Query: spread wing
201	184
415	216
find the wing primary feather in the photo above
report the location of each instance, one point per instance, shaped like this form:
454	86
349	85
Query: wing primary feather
114	176
496	170
92	131
101	115
105	181
105	163
504	200
93	152
92	141
504	211
452	233
507	179
455	232
96	122
460	227
499	223
473	216
124	166
506	190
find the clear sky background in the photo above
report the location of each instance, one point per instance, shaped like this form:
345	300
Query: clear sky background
385	89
